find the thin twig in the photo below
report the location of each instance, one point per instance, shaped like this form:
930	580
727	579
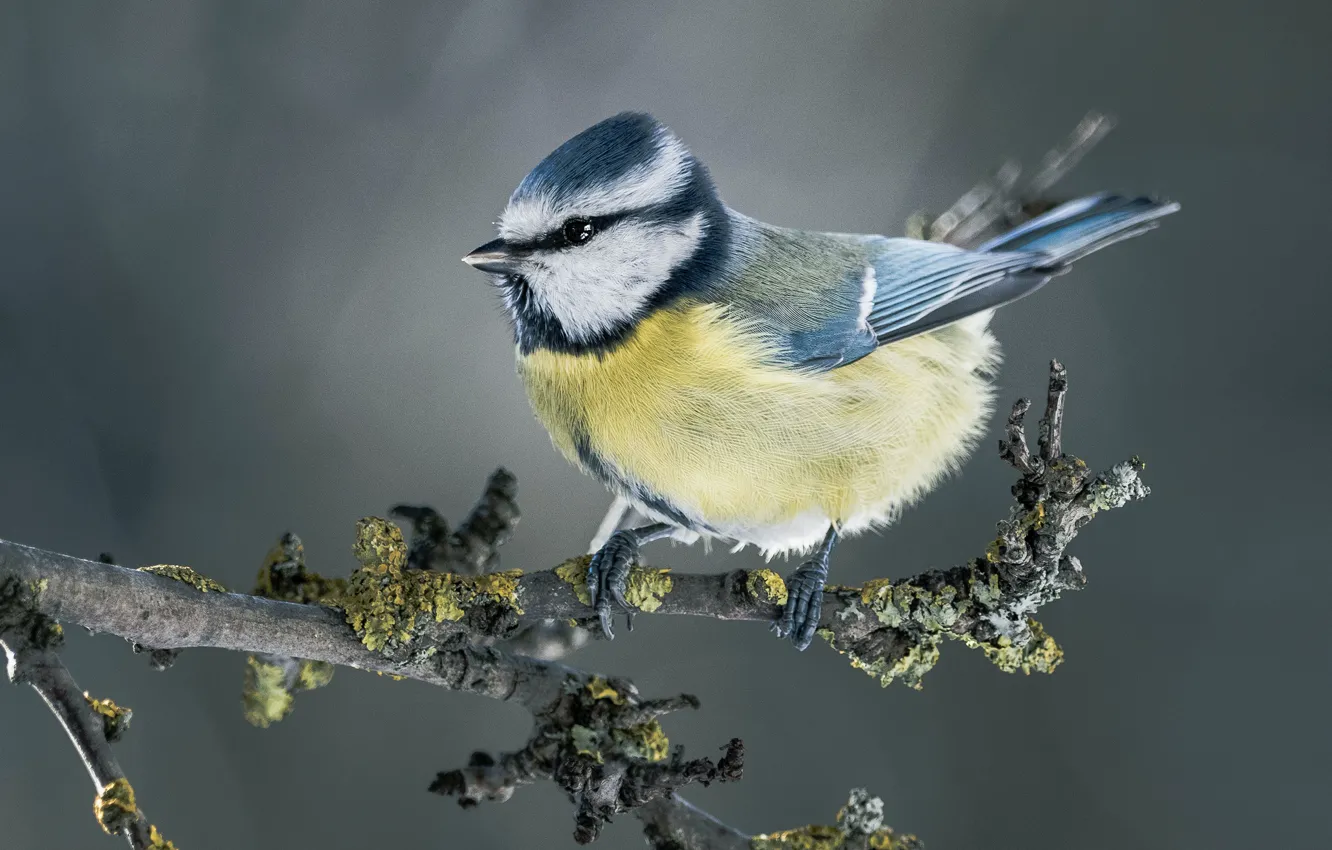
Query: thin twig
49	677
1051	441
31	641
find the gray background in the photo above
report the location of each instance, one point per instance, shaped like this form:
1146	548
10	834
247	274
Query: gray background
233	306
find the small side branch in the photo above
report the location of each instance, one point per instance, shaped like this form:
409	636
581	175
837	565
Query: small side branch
31	642
1052	426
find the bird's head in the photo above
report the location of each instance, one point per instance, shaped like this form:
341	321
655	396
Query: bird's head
615	222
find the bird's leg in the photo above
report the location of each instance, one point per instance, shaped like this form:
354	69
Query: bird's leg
608	574
804	595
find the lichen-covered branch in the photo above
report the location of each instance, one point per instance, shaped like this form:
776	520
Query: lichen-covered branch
605	747
892	629
403	615
596	738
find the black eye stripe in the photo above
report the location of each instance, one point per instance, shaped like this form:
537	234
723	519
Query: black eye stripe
553	240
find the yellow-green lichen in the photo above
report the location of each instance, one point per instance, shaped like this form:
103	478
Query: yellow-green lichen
284	576
895	604
644	740
265	694
178	572
269	689
387	604
379	542
156	841
313	674
115	719
573	572
1040	654
909	669
599	688
114	806
586	741
501	588
646	587
819	837
766	586
813	837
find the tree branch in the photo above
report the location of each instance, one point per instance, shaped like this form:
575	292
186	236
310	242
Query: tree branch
597	738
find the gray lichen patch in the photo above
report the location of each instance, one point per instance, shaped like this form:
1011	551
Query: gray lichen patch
1037	652
1117	487
22	625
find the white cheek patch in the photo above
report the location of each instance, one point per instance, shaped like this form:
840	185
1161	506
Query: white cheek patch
592	288
644	185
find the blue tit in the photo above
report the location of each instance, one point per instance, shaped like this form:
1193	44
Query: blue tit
756	384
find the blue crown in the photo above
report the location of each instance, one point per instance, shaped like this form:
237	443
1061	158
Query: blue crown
598	156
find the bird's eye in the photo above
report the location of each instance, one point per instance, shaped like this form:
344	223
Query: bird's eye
578	230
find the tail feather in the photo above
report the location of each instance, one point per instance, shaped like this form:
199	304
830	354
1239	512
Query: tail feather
1073	230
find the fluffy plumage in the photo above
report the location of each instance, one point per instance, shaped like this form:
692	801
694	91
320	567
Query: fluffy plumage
745	381
695	421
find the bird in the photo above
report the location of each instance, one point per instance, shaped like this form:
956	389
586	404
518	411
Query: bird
739	381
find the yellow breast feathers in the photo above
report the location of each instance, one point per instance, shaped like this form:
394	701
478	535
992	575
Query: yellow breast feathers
694	406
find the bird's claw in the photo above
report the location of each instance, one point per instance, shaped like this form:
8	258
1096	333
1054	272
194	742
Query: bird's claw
608	578
804	603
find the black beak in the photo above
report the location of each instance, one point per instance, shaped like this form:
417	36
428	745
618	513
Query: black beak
493	257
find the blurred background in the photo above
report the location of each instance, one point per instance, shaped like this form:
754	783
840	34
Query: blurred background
232	306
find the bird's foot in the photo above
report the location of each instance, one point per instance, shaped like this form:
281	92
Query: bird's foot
804	602
608	578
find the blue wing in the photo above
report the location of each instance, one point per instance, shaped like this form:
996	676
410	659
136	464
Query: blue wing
903	287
